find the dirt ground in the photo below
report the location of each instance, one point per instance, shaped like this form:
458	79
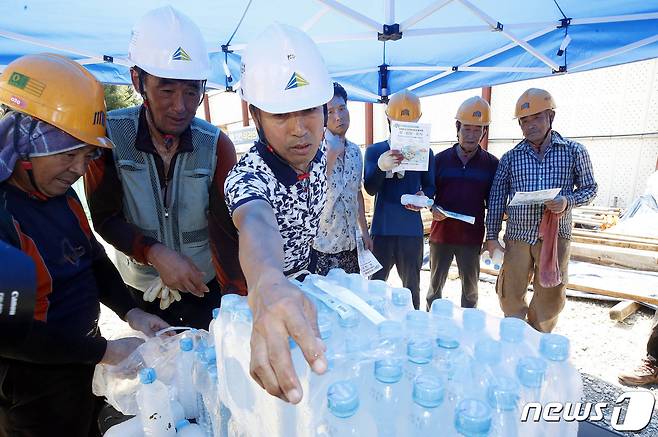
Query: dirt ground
601	348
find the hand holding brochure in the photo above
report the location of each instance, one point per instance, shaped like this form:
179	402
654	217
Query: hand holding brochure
456	215
534	197
413	141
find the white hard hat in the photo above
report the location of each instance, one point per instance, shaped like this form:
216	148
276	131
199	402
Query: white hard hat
283	71
167	44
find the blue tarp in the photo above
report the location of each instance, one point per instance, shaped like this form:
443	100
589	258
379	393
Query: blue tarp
461	44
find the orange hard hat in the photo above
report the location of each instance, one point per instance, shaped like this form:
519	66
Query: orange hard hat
59	91
404	106
533	101
474	111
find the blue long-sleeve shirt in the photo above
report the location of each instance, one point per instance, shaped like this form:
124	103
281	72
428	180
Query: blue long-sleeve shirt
390	217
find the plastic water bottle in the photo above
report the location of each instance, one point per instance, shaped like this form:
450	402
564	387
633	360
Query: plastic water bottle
186	429
503	396
344	417
514	344
474	323
563	382
154	407
442	308
419	357
429	415
391	338
493	261
473	418
386	396
418	201
417	323
452	364
486	364
184	383
401	304
531	372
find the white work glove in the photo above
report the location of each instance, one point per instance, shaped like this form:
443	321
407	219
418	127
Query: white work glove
158	289
387	161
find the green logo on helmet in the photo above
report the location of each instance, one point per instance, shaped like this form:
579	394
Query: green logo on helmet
180	55
26	83
296	81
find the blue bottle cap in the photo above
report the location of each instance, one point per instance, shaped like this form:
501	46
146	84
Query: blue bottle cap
504	393
377	287
390	329
182	424
554	347
215	313
147	375
531	371
342	399
512	329
228	301
488	351
474	319
186	344
419	351
473	418
324	326
388	371
428	391
442	307
401	297
447	335
351	320
209	355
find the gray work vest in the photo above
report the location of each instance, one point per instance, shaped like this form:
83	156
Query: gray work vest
180	224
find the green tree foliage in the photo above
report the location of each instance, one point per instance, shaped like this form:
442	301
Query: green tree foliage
120	96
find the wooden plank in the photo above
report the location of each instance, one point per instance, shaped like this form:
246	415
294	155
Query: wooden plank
615	243
623	309
615	256
647	298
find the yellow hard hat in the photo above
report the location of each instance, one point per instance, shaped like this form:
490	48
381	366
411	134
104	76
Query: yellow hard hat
404	106
59	91
533	101
474	111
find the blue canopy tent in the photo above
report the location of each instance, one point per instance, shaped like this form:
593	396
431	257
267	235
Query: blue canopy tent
373	48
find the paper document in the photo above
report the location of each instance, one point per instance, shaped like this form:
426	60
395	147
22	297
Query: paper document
413	141
456	215
368	264
534	197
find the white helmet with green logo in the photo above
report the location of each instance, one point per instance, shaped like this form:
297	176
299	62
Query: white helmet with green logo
283	71
167	44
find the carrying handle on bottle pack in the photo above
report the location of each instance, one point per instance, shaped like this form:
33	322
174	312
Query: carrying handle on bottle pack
348	297
163	331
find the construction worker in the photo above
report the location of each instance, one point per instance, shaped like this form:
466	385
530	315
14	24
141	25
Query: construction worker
464	174
397	230
542	160
276	194
335	245
158	197
47	139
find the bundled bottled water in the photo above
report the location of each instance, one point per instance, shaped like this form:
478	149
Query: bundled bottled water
154	406
392	371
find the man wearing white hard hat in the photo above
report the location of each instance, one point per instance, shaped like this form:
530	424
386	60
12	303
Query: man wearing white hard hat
158	198
276	194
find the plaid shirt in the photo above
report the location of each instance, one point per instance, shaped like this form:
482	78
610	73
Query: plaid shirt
566	165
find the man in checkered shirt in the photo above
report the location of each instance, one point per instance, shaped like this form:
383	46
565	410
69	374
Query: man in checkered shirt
543	160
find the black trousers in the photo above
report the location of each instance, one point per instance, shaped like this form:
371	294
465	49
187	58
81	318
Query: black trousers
192	311
47	400
406	254
468	263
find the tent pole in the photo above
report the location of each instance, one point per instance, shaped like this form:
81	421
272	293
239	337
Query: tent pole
406	24
486	95
206	107
245	113
351	13
615	52
369	111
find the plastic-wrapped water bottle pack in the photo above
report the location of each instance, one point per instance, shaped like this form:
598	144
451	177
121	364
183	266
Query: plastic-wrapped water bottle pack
395	371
